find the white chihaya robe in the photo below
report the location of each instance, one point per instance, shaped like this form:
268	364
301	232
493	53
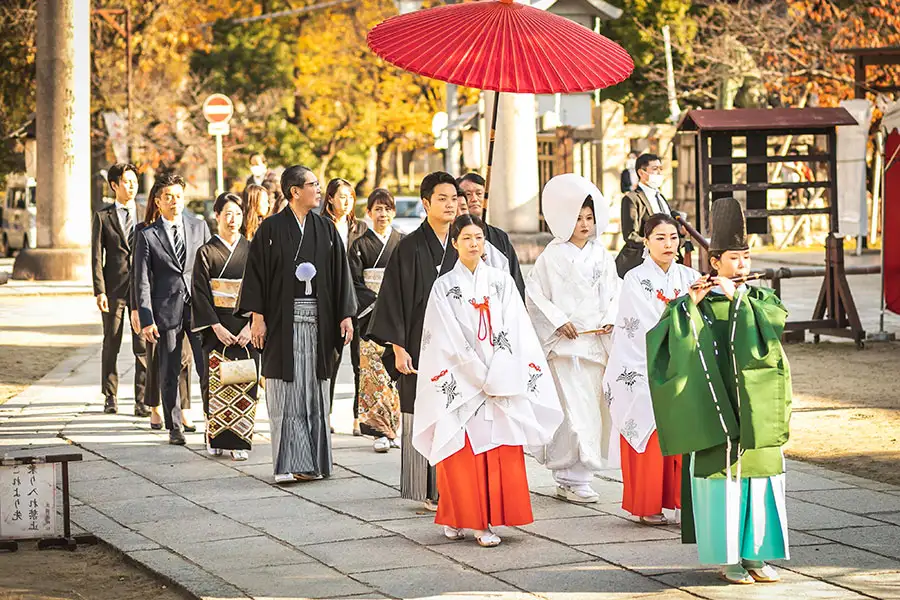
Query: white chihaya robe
581	286
481	374
645	293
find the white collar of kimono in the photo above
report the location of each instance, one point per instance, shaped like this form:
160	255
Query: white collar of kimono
651	264
384	238
230	247
300	223
463	271
562	198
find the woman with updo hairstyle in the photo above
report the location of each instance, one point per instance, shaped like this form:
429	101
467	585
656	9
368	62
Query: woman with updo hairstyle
340	201
652	482
483	393
229	406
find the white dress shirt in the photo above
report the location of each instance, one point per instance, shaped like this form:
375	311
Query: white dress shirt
178	223
657	202
122	211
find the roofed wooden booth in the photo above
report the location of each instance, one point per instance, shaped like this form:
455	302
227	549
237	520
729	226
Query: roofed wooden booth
835	312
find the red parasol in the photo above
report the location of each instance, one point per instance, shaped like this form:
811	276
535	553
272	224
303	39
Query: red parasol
501	46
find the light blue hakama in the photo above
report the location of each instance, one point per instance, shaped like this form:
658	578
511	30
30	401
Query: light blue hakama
740	520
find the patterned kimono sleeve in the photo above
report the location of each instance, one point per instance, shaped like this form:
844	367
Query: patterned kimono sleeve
545	315
450	376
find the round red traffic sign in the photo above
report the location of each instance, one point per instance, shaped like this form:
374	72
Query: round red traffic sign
218	108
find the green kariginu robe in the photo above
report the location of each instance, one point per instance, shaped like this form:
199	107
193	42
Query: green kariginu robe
719	377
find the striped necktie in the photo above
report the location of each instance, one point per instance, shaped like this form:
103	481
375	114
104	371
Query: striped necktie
180	253
129	228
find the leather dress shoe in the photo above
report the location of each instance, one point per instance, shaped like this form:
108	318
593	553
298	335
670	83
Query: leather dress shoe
141	410
189	428
176	438
111	406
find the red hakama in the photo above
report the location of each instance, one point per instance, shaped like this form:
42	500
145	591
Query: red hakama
652	481
490	488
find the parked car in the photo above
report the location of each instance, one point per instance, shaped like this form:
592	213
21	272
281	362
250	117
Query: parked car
410	214
18	215
202	208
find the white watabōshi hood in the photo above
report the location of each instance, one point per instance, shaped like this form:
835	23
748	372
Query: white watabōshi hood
562	199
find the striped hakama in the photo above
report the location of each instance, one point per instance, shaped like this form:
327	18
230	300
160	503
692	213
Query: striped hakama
299	409
418	480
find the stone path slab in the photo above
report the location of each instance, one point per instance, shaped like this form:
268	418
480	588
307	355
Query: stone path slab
223	530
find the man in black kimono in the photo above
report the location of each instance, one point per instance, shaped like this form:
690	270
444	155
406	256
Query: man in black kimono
399	315
499	251
299	295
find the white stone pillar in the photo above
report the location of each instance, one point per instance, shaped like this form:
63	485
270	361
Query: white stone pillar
63	144
513	202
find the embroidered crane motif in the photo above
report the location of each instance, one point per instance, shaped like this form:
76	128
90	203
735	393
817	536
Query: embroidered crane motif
426	339
629	378
448	388
597	275
533	378
501	341
455	293
497	288
631	325
629	430
607	395
647	285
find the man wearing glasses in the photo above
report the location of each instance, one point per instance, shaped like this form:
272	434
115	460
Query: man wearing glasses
498	250
299	295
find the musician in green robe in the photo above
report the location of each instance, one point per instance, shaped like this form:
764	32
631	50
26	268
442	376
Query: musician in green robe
721	389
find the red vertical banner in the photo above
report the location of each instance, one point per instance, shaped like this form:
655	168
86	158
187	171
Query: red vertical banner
890	232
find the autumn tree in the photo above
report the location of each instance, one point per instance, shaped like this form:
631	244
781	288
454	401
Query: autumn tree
17	77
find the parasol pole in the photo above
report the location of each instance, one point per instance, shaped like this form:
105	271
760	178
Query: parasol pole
490	156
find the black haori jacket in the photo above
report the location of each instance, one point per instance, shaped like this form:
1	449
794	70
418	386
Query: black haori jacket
268	289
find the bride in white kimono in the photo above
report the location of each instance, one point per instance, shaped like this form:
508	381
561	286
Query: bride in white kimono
572	295
651	482
483	393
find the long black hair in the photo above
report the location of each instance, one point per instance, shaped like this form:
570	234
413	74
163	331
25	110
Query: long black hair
463	221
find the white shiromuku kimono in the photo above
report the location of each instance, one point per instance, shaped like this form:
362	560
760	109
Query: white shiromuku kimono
581	286
645	293
482	371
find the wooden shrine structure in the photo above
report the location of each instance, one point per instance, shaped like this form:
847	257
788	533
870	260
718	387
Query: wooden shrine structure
835	313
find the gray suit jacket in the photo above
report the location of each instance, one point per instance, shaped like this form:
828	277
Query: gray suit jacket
162	288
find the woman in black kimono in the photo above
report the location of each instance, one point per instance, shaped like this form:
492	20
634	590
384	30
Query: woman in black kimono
340	202
230	409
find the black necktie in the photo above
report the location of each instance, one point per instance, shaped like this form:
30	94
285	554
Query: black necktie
180	253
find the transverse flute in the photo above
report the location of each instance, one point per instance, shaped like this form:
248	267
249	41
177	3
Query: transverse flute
738	280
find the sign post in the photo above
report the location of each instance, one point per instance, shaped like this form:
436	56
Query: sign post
218	109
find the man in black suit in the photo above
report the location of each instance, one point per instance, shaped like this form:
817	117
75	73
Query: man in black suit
112	246
163	267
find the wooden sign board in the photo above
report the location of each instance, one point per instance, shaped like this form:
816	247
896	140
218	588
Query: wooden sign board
28	501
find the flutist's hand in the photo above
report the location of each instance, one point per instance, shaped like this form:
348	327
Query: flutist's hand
699	289
727	285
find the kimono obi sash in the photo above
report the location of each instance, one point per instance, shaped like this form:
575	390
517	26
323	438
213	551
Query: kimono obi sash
373	279
225	292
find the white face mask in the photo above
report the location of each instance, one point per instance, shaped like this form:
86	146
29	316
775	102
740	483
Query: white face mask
655	180
258	170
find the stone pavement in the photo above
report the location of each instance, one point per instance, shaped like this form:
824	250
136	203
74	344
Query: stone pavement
223	530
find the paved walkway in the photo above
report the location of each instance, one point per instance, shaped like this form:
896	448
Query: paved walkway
223	530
